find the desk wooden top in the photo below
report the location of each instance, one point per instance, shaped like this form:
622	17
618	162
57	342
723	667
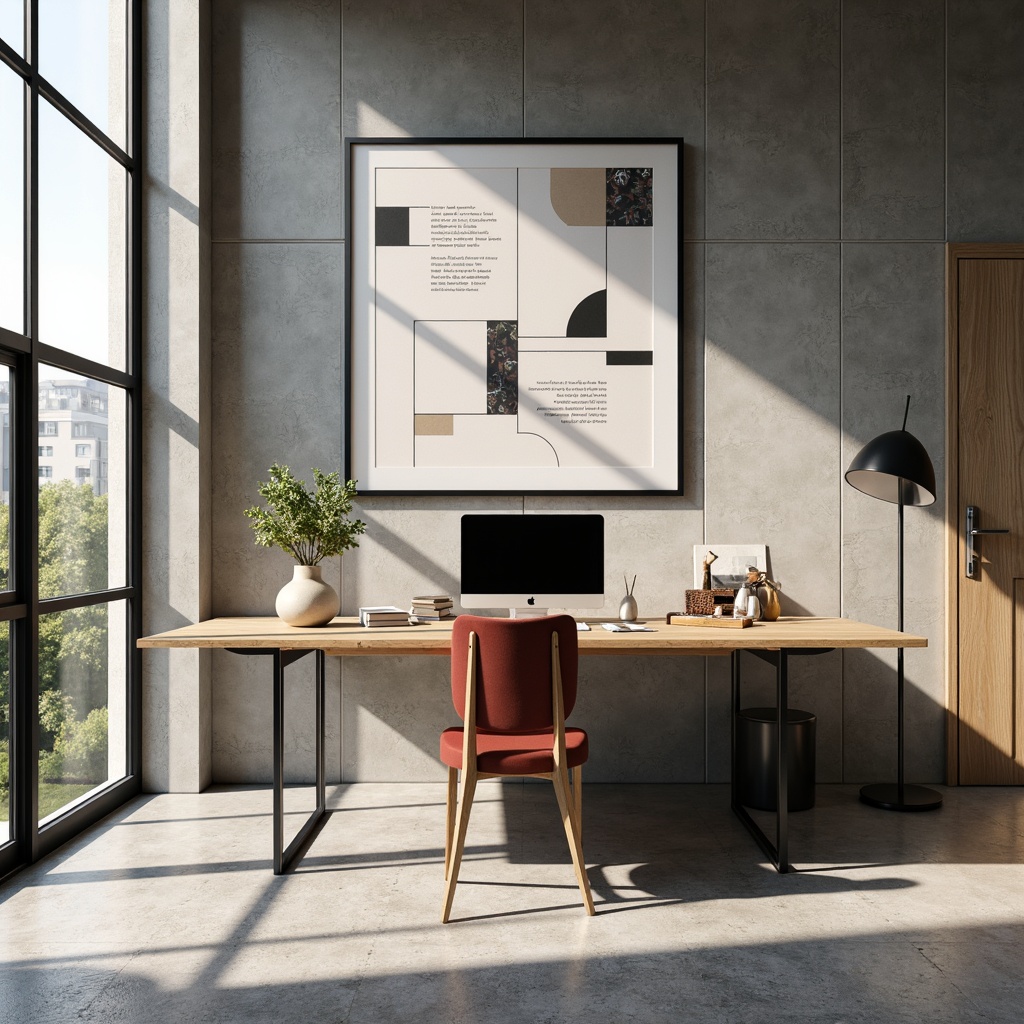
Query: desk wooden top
344	636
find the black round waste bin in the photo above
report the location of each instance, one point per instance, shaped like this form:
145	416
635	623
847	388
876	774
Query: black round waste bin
756	758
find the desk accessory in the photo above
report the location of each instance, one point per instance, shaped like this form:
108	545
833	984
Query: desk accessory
705	582
743	607
383	615
767	592
718	622
730	566
704	602
310	527
431	608
627	606
895	467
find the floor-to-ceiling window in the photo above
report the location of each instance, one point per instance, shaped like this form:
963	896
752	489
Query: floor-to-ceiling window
69	398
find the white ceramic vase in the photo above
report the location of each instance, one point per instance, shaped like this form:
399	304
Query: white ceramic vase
306	600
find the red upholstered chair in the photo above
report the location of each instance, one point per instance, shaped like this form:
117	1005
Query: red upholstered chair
513	685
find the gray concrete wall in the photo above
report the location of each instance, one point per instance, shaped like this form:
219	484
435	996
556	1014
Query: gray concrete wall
177	699
832	148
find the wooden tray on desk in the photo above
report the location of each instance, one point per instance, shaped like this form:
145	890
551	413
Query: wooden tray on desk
719	622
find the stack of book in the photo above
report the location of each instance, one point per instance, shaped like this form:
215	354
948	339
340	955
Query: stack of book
432	608
383	615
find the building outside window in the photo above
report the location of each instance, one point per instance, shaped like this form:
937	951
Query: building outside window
45	471
82	451
46	451
47	428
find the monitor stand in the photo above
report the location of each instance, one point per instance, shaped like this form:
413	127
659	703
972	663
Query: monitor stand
529	612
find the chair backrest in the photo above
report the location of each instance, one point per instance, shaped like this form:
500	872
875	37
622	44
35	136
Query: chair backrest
514	670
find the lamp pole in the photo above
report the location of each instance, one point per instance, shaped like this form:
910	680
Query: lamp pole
899	653
898	459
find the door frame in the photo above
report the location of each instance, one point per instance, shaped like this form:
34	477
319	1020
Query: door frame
956	251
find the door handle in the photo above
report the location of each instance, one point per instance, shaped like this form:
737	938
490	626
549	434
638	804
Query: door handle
971	532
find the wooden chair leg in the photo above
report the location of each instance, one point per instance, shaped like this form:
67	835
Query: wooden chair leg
449	824
560	779
577	798
461	824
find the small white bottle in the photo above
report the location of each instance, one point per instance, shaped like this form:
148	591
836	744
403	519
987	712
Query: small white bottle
740	602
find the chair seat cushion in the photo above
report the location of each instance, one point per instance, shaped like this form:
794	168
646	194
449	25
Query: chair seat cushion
514	753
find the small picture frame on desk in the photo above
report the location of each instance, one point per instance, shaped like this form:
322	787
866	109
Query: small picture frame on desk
729	569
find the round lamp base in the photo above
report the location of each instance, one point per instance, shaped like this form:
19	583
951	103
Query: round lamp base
887	796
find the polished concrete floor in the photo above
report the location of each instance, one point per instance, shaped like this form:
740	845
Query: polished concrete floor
168	911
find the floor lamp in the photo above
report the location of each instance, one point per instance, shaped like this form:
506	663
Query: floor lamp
895	467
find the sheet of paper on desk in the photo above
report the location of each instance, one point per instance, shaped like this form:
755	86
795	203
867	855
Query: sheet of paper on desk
626	627
582	627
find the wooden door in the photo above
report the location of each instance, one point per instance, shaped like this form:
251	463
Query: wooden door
985	340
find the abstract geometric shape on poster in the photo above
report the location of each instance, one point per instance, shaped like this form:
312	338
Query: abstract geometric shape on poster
630	196
578	195
590	318
635	357
502	367
434	425
392	225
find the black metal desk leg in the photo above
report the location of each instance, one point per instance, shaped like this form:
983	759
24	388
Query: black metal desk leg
734	774
737	808
321	780
779	660
782	765
278	762
777	852
287	857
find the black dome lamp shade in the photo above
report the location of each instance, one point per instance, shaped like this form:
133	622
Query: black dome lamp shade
893	462
895	467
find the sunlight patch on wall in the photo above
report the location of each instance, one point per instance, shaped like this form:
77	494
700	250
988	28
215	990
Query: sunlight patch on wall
372	123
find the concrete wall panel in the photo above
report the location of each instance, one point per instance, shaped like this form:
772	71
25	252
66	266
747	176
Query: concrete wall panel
893	119
432	68
773	140
985	83
277	119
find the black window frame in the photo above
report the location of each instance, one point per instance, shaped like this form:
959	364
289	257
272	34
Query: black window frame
21	606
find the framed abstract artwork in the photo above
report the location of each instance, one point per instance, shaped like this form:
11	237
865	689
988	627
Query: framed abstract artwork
514	316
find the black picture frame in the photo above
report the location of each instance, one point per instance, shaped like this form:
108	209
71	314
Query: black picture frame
435	333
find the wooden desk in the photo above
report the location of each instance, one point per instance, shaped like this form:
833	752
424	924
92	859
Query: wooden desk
773	642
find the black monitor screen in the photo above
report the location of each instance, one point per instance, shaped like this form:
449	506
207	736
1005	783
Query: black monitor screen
508	559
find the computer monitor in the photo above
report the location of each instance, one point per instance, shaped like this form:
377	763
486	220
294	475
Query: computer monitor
529	563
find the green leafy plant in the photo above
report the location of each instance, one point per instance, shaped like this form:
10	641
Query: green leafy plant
310	526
